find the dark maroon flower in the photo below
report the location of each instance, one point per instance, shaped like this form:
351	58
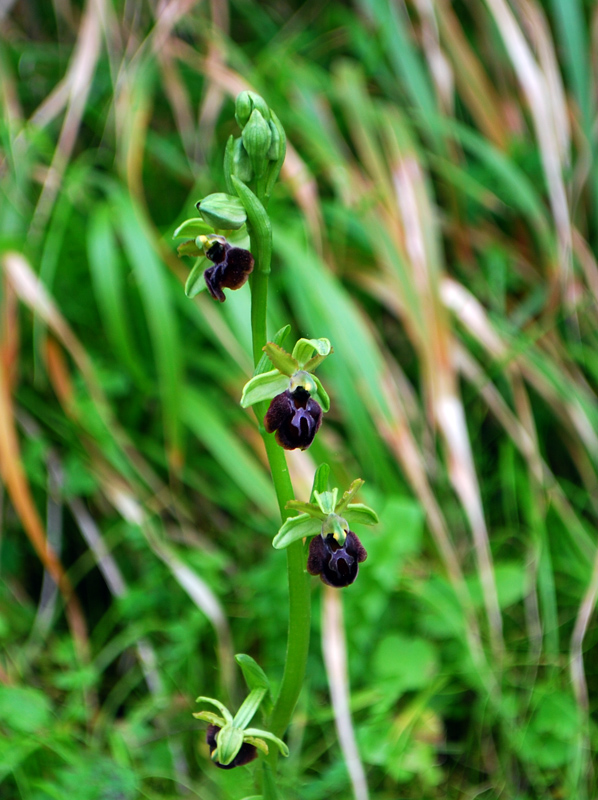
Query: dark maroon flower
232	266
246	754
295	417
335	564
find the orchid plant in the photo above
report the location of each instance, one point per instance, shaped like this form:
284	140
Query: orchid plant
231	240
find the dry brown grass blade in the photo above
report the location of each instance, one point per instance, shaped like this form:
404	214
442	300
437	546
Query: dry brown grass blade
474	87
17	485
548	118
334	649
79	80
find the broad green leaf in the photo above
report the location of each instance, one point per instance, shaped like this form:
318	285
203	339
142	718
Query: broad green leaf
305	348
283	362
349	495
191	228
195	282
263	387
254	675
294	529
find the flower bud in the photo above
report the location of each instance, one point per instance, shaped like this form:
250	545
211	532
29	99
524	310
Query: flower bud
223	211
275	149
257	138
246	102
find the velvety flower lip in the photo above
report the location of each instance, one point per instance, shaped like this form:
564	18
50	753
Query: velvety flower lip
246	754
335	564
232	267
296	418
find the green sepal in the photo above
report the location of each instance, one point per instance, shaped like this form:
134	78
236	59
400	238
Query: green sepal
320	483
349	495
229	741
189	248
264	363
222	211
327	501
260	223
296	528
263	387
192	227
304	349
195	282
280	359
248	708
223	709
306	508
358	512
270	737
209	716
321	395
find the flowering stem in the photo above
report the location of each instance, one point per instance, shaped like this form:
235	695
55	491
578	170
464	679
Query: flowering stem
299	594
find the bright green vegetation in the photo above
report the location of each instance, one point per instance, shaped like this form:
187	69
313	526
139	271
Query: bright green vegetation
436	219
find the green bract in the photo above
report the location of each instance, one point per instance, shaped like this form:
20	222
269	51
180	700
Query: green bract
327	515
290	372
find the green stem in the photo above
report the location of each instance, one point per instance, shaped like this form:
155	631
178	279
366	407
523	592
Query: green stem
299	593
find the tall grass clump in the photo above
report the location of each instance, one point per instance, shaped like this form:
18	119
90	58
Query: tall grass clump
435	220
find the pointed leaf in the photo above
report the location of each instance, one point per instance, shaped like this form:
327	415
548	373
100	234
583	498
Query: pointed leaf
248	708
223	709
229	741
263	387
283	362
306	508
321	395
357	512
192	228
294	529
195	282
349	495
260	223
304	349
327	501
264	362
269	737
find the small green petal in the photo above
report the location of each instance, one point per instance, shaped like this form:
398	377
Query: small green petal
306	508
264	363
294	529
349	495
280	359
208	716
256	742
